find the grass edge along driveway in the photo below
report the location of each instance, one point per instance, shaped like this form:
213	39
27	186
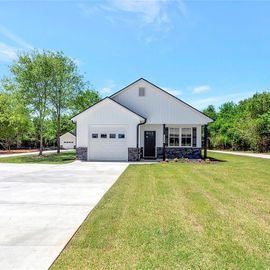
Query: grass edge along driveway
179	216
46	158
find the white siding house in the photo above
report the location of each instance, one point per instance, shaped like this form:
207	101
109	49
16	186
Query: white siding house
108	129
68	141
139	121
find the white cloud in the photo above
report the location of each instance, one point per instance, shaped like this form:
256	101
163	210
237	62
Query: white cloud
7	53
218	100
201	89
173	92
149	11
152	19
108	89
19	41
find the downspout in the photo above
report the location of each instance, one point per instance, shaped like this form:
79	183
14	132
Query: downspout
138	131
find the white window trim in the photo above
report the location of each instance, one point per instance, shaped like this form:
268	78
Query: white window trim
180	138
187	146
169	133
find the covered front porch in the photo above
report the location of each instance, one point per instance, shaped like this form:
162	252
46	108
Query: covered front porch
162	141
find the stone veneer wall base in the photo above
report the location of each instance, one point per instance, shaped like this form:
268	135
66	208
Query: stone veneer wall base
81	153
134	154
179	152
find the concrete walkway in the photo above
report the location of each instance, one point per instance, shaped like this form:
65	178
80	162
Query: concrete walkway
42	205
242	154
32	153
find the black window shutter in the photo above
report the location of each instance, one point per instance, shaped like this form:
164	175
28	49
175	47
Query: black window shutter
194	137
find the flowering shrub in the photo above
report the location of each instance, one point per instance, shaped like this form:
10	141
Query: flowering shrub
187	160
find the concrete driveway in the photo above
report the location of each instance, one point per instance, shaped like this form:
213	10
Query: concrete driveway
42	205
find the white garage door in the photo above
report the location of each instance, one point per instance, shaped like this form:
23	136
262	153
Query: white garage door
108	142
68	144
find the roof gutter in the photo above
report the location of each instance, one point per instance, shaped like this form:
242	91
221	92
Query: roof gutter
144	121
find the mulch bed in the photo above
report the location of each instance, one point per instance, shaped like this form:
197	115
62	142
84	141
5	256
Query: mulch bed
186	160
17	151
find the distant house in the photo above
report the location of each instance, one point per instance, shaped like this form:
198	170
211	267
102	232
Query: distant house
68	140
139	121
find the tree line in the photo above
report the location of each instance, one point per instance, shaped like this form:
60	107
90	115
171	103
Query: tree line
243	126
38	99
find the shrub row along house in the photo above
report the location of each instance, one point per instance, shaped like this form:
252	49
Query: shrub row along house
141	121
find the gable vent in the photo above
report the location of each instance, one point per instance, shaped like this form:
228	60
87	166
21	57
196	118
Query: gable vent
141	91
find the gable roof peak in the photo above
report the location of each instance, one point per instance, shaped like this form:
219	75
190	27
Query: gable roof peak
164	92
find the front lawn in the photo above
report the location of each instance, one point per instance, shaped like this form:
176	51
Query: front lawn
179	216
64	157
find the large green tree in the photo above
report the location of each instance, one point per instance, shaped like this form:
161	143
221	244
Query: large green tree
253	123
243	126
83	100
50	85
67	83
32	74
14	120
211	112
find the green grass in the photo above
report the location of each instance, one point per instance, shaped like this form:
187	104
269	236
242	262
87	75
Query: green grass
64	157
179	216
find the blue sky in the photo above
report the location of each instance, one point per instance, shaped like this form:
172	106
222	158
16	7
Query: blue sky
204	52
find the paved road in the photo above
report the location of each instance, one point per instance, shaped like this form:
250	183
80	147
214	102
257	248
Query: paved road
31	153
242	154
42	205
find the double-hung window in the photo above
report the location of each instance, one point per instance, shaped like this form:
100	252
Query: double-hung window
174	137
183	137
186	137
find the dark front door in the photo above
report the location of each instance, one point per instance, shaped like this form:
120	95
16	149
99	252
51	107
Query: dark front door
149	144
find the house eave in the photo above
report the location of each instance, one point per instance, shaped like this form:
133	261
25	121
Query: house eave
141	118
